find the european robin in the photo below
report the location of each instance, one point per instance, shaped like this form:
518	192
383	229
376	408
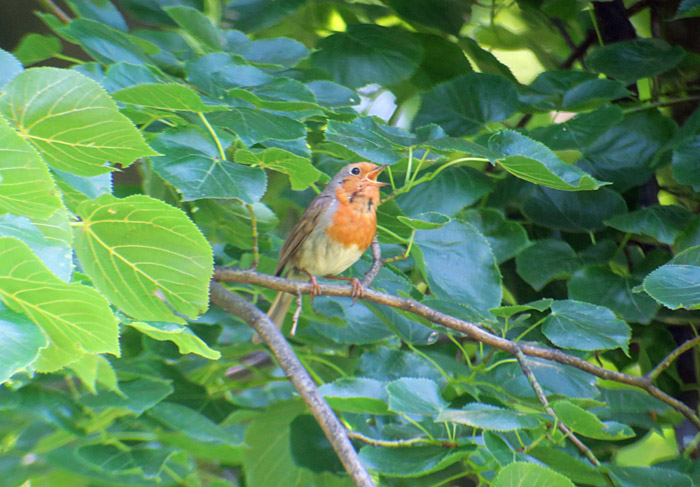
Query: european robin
332	234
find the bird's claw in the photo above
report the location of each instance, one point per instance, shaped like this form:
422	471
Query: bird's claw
357	290
315	288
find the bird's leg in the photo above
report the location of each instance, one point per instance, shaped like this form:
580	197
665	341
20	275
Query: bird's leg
357	289
315	288
297	312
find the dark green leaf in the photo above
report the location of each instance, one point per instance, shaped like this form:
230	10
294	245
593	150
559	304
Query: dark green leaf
485	60
332	94
507	239
217	73
675	286
624	155
252	15
579	132
367	53
629	61
411	461
583	326
442	60
194	424
385	364
425	221
464	105
663	223
649	477
253	126
534	162
582	211
447	193
137	395
446	15
521	474
364	137
587	424
182	336
459	262
450	144
192	163
686	163
487	417
578	470
688	8
21	342
36	47
356	395
362	326
196	24
280	50
507	311
415	396
546	260
107	45
601	286
310	447
498	448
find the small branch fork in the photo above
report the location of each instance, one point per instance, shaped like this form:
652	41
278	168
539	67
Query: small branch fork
224	274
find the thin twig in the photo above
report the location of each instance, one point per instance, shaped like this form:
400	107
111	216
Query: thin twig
376	264
248	362
388	443
254	231
299	377
56	10
666	363
297	313
470	329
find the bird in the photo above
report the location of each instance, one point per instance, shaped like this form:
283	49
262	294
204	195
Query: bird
332	233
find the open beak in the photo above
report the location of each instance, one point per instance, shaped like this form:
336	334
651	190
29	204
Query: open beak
372	175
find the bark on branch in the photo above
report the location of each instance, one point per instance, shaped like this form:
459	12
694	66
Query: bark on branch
472	330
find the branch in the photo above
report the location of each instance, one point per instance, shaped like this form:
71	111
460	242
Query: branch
56	10
666	363
273	338
376	264
470	329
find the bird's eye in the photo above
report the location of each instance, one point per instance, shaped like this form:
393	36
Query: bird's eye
355	171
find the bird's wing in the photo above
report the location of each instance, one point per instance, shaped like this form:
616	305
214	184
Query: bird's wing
308	221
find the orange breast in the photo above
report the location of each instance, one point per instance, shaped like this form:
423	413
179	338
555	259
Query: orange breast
352	225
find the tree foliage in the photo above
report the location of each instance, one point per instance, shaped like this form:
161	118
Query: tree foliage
543	177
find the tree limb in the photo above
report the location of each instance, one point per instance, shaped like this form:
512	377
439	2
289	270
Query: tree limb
666	363
273	338
470	329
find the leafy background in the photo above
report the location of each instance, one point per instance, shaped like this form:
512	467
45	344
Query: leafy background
544	163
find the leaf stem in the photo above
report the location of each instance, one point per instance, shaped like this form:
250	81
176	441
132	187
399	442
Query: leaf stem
254	231
222	154
407	178
52	7
666	363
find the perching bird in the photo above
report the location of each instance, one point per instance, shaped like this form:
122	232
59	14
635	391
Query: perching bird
332	234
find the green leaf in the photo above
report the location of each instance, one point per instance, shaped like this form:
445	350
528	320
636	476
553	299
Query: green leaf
520	474
107	45
279	94
447	193
147	257
301	172
9	67
489	417
625	154
649	477
534	162
498	448
268	461
546	260
253	126
463	105
508	311
137	395
582	211
675	286
583	326
22	340
49	100
310	446
33	48
100	10
425	221
55	253
196	24
442	61
507	239
587	424
446	15
629	61
685	163
459	262
688	8
450	144
577	470
217	73
363	137
26	187
192	163
165	96
599	285
281	51
183	337
356	395
332	94
663	223
413	461
193	424
410	395
580	131
367	53
75	318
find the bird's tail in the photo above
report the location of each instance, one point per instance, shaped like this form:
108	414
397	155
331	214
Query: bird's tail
280	306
